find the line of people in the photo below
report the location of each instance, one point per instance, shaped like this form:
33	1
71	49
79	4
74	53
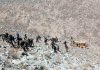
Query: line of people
25	43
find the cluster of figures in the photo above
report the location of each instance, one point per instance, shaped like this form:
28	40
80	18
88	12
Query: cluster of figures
25	43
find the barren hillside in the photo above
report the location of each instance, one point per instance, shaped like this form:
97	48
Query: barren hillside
61	18
78	18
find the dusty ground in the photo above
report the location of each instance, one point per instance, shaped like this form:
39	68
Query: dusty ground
61	18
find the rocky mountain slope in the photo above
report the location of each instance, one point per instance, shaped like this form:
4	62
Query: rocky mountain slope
42	57
61	18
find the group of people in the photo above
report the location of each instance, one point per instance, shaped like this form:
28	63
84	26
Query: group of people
24	43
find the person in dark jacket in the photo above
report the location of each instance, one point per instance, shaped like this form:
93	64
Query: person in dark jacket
55	49
54	46
11	40
45	41
25	37
66	47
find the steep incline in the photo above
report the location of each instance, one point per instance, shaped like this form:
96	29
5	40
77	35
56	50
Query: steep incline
42	55
79	18
61	18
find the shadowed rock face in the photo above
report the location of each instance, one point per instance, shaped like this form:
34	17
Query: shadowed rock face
78	18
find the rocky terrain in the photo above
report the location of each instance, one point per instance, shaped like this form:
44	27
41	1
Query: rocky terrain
61	18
